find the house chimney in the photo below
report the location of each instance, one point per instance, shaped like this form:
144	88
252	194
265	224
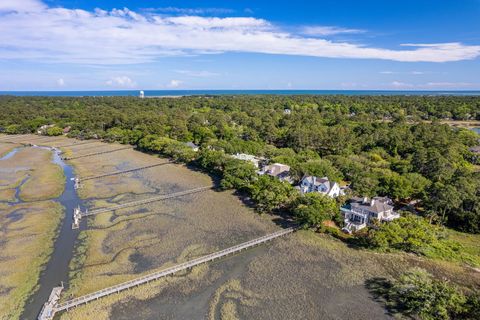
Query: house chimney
314	180
372	202
365	200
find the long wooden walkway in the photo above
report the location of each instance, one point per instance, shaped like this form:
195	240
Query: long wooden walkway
146	201
97	153
78	143
169	271
39	139
124	171
11	142
10	137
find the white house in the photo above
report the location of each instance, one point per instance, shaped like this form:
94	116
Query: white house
359	213
192	146
321	185
43	129
141	95
277	170
248	157
287	111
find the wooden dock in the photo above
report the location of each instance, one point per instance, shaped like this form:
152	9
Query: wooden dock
97	153
166	272
146	201
49	308
90	146
124	171
78	144
11	142
9	137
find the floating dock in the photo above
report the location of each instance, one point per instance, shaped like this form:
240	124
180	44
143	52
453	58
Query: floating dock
49	308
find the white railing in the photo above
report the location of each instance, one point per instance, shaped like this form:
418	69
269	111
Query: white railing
78	143
124	171
97	153
9	137
146	201
169	271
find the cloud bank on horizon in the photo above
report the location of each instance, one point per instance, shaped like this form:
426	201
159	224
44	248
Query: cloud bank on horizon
31	30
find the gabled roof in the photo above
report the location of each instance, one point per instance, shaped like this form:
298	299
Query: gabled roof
376	205
475	149
191	145
277	169
312	180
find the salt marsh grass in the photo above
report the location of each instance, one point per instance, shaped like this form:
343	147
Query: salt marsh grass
26	237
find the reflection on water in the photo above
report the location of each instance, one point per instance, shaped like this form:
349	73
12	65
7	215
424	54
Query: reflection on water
10	154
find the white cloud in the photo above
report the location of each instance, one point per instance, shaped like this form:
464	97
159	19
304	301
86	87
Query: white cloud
404	72
21	6
450	85
401	85
433	85
61	82
174	83
191	11
121	82
197	74
328	30
125	37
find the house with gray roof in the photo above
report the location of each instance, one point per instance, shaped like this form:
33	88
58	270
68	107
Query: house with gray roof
192	146
359	213
475	149
321	185
277	170
256	161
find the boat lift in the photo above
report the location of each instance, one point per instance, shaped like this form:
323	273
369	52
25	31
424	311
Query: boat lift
77	217
77	185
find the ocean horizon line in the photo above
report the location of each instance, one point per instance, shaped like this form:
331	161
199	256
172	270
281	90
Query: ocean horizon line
214	92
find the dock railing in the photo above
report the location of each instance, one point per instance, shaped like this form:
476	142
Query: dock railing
169	271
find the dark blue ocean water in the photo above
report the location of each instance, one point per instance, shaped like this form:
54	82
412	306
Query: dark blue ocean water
177	93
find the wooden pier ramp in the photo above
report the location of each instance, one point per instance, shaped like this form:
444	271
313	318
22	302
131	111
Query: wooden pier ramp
99	144
39	139
166	272
10	137
146	201
97	153
78	144
12	142
124	171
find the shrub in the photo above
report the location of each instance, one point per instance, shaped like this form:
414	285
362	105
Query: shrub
418	293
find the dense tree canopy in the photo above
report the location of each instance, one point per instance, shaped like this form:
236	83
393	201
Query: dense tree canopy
314	208
380	145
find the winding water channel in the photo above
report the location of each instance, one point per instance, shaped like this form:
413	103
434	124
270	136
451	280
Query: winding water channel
57	268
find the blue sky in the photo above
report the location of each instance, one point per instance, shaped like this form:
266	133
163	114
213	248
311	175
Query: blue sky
352	45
